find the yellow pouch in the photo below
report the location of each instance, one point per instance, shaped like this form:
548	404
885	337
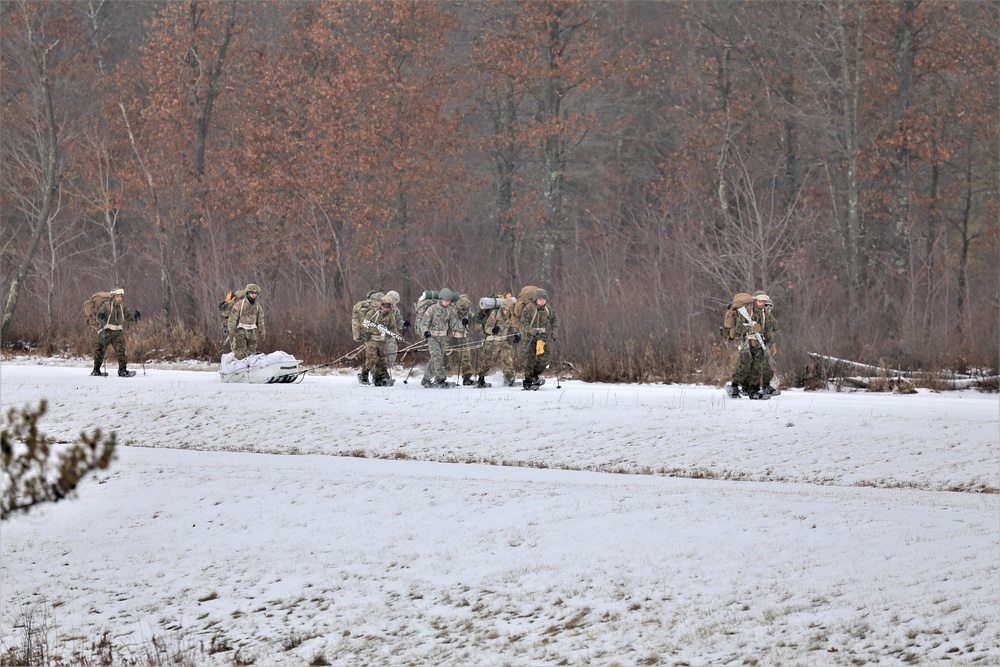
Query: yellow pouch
539	347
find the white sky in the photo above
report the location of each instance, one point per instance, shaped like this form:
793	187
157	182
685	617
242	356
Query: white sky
503	527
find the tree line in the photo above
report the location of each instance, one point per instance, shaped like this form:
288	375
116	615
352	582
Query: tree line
642	161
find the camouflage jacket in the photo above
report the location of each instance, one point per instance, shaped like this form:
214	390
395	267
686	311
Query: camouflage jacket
112	315
499	317
378	318
246	315
541	322
440	321
768	326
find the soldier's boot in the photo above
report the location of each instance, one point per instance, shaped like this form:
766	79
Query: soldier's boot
481	382
97	372
123	373
770	391
734	390
363	377
467	381
426	382
509	382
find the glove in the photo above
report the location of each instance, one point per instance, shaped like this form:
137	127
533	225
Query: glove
406	324
495	330
465	321
517	338
138	315
102	317
427	334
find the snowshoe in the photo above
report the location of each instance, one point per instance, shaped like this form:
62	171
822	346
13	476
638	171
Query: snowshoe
482	384
426	382
734	390
771	391
363	378
467	381
443	384
125	374
509	382
98	373
530	384
759	396
384	382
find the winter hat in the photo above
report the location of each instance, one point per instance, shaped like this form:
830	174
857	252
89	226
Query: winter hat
446	294
541	294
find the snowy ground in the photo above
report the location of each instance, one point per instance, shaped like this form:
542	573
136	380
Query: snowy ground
329	523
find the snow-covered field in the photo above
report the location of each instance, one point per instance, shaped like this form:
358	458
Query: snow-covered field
330	523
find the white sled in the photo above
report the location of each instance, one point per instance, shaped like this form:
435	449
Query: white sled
273	368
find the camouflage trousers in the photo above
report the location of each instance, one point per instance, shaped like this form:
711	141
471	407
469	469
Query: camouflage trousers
391	350
376	359
753	374
435	368
244	343
534	363
500	352
115	339
464	356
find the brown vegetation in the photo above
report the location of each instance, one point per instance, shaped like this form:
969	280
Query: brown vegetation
642	161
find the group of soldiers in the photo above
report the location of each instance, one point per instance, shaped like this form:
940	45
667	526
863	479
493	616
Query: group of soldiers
758	346
448	323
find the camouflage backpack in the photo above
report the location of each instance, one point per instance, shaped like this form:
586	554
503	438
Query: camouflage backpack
524	297
226	305
729	320
361	310
91	307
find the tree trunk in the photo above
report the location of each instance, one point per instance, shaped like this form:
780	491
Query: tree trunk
50	184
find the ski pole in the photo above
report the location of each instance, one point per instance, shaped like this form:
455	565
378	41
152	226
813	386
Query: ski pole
558	385
142	348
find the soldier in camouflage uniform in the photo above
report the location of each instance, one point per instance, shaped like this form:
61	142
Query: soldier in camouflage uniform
379	325
538	325
113	314
501	335
754	373
246	323
391	344
438	322
460	339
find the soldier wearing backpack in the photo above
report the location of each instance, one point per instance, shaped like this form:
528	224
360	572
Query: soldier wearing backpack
379	326
112	315
391	344
246	323
501	335
754	372
460	339
439	321
539	326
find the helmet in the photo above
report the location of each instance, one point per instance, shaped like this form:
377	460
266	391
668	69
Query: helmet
464	303
394	295
446	294
116	291
540	294
253	287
